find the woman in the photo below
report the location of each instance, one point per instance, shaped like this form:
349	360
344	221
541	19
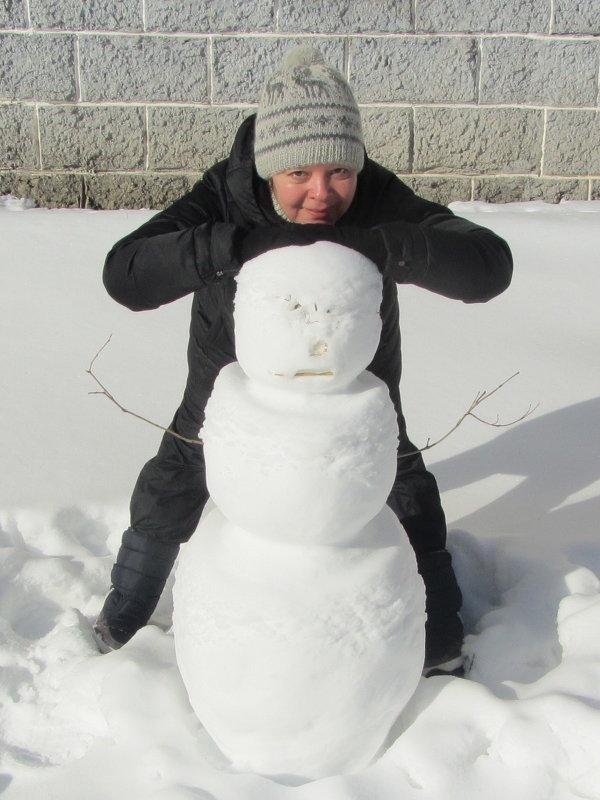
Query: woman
297	173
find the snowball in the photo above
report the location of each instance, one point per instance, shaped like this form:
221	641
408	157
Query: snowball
307	318
311	468
296	659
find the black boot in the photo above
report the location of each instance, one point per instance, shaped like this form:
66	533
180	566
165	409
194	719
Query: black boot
138	578
443	629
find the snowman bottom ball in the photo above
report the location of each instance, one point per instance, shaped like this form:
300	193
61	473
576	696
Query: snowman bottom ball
298	659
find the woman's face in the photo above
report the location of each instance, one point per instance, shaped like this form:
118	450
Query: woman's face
321	193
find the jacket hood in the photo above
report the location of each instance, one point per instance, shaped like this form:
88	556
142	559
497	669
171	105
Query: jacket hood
244	186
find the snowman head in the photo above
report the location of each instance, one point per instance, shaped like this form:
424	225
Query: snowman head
307	318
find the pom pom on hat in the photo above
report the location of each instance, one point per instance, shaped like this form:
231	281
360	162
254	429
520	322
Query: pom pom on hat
307	115
302	57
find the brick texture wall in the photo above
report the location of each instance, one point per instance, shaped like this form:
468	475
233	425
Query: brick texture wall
124	103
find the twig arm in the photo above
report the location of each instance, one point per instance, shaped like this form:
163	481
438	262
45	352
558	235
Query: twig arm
480	398
104	391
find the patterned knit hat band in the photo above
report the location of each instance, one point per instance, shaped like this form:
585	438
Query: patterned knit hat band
307	115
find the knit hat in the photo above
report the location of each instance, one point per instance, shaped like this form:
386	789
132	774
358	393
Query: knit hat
307	115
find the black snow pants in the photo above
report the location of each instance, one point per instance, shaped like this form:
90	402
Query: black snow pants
170	495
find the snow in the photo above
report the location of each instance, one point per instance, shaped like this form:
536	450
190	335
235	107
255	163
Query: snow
298	659
298	610
522	504
287	335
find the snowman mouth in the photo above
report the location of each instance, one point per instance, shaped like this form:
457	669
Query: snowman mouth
307	373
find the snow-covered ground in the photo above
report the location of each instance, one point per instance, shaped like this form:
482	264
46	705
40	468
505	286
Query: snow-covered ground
523	504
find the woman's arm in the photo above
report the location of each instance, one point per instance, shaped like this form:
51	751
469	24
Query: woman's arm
448	255
175	253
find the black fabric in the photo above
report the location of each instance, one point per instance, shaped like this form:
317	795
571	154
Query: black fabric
195	246
143	565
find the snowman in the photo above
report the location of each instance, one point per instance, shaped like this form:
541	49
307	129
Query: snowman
299	614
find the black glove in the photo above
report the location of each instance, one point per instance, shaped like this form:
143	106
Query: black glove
254	242
368	241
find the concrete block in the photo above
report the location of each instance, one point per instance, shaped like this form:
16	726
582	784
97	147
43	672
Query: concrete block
208	16
572	143
191	138
522	189
341	16
143	68
17	137
148	190
101	138
107	15
478	140
13	14
444	190
37	66
519	70
580	17
415	69
494	16
51	190
387	133
596	190
241	66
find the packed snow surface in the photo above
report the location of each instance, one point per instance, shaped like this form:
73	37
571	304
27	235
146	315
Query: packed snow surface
307	324
297	658
330	459
523	504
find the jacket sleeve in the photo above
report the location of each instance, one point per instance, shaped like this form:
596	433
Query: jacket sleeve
447	254
177	252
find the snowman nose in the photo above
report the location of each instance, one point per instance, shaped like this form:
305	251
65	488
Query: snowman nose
319	348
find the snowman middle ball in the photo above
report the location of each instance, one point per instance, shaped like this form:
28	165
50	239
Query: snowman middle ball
300	441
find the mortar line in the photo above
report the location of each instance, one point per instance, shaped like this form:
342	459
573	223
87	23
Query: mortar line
543	155
277	10
591	109
77	65
479	68
37	136
28	10
411	141
584	37
209	71
402	173
551	23
598	84
144	23
147	120
347	58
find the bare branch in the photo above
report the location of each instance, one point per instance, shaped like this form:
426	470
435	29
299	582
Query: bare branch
104	391
480	398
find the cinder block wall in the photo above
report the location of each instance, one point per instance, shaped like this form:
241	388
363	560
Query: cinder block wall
124	103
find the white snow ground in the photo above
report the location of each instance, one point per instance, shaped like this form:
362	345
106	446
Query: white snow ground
522	502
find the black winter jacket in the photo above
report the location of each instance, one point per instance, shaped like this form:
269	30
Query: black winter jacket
192	246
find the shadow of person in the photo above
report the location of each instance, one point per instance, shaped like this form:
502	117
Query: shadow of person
532	545
556	456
